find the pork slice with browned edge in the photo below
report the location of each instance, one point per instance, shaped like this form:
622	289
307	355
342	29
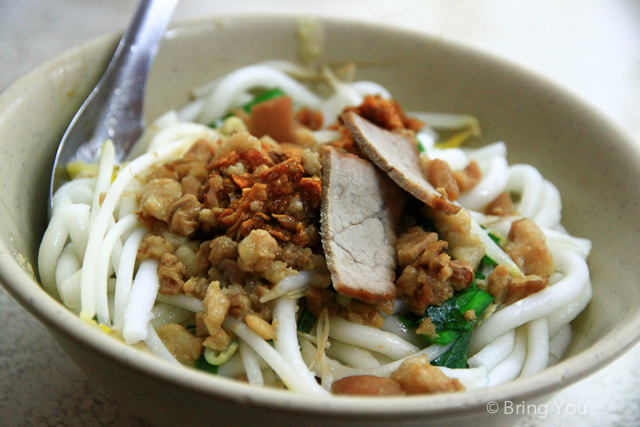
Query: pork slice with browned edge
397	155
360	212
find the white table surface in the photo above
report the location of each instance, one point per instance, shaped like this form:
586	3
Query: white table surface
591	47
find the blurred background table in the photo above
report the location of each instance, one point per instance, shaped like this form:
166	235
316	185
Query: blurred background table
590	47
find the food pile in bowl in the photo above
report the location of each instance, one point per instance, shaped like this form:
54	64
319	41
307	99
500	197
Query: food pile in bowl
324	241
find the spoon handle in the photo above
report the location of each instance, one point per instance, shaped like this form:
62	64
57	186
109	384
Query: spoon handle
113	109
123	83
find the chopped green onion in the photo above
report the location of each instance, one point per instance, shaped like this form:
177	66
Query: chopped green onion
448	316
203	365
456	357
488	261
451	325
495	238
220	357
218	123
264	96
445	337
306	321
474	299
410	320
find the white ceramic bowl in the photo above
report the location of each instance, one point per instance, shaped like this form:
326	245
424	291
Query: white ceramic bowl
595	166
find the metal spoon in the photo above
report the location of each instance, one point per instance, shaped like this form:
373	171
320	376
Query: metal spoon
113	110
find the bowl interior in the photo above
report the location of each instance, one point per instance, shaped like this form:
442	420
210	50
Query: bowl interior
595	166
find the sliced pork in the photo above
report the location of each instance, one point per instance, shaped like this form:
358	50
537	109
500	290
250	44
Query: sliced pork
360	212
398	156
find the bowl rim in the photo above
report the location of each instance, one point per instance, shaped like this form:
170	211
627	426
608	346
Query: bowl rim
59	319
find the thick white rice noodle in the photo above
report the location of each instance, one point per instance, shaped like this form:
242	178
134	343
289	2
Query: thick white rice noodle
559	344
124	278
250	364
394	325
225	96
164	314
537	347
353	356
279	364
492	184
296	282
537	305
510	368
371	339
137	312
494	352
339	371
286	342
